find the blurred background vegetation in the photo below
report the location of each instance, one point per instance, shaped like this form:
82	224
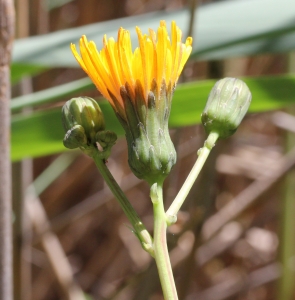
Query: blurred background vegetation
234	238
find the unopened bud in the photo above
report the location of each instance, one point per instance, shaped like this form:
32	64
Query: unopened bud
227	104
82	119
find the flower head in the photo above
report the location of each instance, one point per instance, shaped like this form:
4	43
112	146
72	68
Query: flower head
156	59
139	85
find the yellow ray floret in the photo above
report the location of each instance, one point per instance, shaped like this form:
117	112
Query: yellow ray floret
157	58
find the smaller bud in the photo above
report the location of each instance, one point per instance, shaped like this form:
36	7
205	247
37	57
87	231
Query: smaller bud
75	137
227	104
82	119
106	138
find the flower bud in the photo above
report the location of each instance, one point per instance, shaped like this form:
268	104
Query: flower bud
227	104
82	118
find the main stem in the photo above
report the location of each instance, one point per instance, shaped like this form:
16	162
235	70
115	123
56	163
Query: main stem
139	228
160	244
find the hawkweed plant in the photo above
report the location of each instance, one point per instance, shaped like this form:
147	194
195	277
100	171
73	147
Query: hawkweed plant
139	85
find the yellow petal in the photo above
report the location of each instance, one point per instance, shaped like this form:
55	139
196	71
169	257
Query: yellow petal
144	61
161	55
136	65
125	57
186	53
102	71
78	57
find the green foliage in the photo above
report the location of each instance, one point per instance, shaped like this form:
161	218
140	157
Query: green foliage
51	95
18	71
222	30
41	133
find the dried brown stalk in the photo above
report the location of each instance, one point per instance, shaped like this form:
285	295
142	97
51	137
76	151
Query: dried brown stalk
6	37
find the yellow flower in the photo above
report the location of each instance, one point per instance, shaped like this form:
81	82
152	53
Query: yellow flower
139	85
156	59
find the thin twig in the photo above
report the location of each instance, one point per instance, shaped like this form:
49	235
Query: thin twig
193	8
53	249
237	283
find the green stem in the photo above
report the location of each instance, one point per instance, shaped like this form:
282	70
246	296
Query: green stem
203	153
139	228
160	244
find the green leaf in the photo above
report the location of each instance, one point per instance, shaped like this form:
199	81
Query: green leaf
19	70
36	134
51	95
41	133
